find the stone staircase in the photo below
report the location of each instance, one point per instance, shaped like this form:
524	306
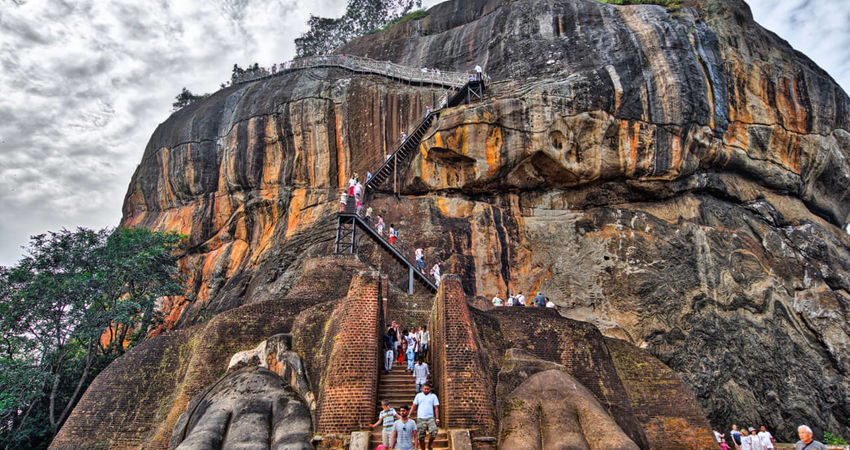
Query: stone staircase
399	388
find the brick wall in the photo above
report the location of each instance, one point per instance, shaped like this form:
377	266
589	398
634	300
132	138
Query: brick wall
349	388
662	403
462	385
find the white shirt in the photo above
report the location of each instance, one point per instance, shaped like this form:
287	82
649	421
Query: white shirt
510	301
549	304
358	189
765	437
521	299
419	253
425	405
426	337
421	372
478	68
352	182
497	301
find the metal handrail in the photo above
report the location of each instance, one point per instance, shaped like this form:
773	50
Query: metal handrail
361	64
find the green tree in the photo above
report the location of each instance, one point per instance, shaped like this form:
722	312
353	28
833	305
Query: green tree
57	303
361	16
186	98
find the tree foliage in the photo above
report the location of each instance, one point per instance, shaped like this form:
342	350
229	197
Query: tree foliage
186	98
361	16
73	304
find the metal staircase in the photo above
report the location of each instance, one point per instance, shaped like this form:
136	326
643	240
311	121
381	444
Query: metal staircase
348	241
469	92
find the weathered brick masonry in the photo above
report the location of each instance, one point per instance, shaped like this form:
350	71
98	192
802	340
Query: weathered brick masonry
464	389
662	403
349	389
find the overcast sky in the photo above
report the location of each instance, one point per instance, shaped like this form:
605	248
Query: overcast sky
85	82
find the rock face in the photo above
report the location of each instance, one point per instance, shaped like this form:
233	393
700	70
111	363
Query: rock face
678	179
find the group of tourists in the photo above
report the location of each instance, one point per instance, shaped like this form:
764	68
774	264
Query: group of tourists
411	345
750	439
539	300
398	430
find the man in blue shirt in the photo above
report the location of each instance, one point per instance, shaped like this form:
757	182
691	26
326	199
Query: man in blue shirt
427	408
404	431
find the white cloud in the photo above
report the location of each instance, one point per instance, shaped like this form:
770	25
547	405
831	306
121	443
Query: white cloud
85	82
818	28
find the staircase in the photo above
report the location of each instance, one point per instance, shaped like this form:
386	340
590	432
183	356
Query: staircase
399	388
473	90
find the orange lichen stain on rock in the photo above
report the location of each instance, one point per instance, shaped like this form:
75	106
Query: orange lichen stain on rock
273	155
493	147
341	159
167	195
675	156
180	220
238	250
736	135
791	113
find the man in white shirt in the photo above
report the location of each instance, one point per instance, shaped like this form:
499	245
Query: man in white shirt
420	372
766	438
549	303
497	301
426	342
427	409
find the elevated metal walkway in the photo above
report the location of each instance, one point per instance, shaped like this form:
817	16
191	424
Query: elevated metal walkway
348	241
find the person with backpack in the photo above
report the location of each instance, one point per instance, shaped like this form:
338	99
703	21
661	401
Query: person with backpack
393	234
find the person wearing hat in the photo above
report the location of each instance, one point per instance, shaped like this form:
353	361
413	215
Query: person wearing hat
751	441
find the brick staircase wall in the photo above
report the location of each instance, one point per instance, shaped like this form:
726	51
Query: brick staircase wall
459	375
349	387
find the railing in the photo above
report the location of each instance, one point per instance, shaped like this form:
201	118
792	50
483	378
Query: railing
361	64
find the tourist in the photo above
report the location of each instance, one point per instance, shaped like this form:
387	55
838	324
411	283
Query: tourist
718	436
736	437
403	347
387	416
389	349
419	343
380	226
519	300
766	438
539	300
420	259
351	183
806	441
426	342
392	233
368	214
396	337
343	200
359	206
410	353
478	71
420	372
427	408
358	190
751	441
435	272
511	301
368	176
550	303
403	136
427	110
444	100
497	301
404	431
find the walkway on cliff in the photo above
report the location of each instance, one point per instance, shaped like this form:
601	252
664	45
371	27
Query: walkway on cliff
360	64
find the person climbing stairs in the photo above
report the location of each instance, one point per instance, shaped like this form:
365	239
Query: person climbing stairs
399	387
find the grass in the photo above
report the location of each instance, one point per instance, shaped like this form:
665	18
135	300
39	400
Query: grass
415	15
669	4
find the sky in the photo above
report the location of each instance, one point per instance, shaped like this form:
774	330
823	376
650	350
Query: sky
84	84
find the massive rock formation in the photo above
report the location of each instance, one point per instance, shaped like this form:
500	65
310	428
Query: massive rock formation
679	179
